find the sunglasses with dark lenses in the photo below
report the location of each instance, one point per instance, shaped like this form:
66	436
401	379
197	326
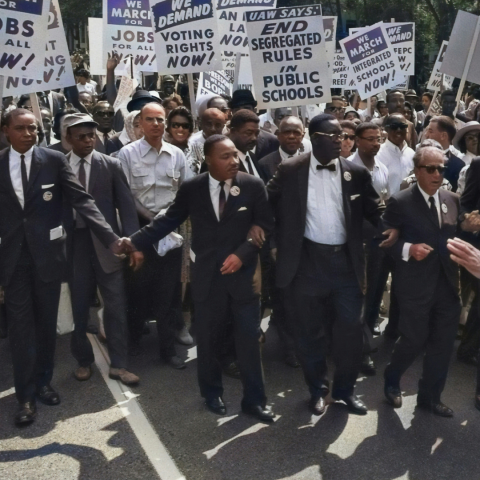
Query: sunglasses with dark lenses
431	169
349	137
398	126
185	126
104	114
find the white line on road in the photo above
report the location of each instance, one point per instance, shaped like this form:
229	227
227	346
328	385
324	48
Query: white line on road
142	428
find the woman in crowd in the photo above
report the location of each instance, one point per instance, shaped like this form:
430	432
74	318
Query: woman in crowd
351	114
131	132
466	140
348	145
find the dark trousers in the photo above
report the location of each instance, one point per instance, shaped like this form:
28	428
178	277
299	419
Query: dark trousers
87	274
326	278
154	292
32	309
428	324
211	316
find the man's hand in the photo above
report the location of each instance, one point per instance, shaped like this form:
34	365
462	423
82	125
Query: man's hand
420	251
471	222
122	246
112	61
231	265
392	237
256	235
465	255
136	260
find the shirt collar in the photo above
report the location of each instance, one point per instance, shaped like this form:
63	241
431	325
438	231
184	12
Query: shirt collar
286	155
75	159
355	158
214	183
145	147
314	162
28	154
426	196
392	146
241	155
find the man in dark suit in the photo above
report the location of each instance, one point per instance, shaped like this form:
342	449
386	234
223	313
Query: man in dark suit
442	129
91	263
103	114
426	281
320	202
52	100
33	184
222	205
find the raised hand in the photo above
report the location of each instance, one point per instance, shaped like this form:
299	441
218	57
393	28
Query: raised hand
112	61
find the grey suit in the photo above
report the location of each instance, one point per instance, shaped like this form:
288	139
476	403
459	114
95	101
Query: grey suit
94	265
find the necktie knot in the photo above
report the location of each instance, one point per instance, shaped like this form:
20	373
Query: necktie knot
331	167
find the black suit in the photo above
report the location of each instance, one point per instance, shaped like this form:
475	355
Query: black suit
254	160
214	294
315	275
427	290
114	144
452	170
58	102
94	265
270	163
266	143
31	265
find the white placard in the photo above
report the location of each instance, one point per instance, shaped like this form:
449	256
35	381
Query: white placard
23	30
127	30
339	70
57	71
374	66
402	37
435	80
287	50
95	38
216	83
186	36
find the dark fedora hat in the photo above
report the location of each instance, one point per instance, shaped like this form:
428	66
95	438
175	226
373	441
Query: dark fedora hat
242	97
141	98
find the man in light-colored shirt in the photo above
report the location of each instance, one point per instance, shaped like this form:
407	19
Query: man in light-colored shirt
155	170
395	154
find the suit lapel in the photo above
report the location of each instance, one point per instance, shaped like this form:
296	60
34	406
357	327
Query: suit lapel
34	168
422	204
232	200
94	171
206	195
303	173
347	180
449	216
5	175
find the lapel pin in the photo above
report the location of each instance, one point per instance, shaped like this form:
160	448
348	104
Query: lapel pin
444	208
347	176
235	191
47	196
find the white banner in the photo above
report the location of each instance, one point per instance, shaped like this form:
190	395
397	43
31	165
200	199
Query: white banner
23	30
127	30
374	66
402	37
339	70
216	83
231	22
186	36
435	80
58	71
95	41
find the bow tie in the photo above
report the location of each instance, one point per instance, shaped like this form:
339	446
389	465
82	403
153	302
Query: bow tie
330	166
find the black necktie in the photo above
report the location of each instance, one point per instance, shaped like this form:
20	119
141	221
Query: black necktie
82	178
23	169
330	166
434	211
222	199
249	164
105	138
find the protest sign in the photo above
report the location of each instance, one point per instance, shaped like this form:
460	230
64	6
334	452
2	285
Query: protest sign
339	70
23	30
374	66
127	29
287	47
436	77
462	42
95	38
216	83
402	37
231	22
57	71
186	36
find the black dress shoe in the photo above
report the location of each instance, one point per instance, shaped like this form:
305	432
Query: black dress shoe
26	414
292	361
317	405
368	367
393	396
48	395
376	329
232	370
259	412
438	408
354	404
477	400
216	406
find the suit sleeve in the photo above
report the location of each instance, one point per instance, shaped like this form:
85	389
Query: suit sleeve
371	201
262	216
274	187
124	201
393	218
471	194
84	204
162	225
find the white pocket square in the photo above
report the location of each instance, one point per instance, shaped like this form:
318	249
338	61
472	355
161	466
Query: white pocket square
242	208
353	197
48	186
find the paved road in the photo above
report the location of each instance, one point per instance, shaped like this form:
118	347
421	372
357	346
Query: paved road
88	436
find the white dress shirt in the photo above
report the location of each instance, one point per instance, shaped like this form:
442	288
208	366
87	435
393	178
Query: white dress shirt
242	156
426	196
399	163
325	221
88	87
75	164
198	137
15	165
215	193
285	156
105	136
379	175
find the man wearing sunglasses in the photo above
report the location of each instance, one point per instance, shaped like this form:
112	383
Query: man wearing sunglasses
103	115
336	108
320	203
426	282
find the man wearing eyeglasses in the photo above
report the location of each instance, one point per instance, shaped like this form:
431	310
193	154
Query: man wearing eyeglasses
320	202
103	115
336	108
426	283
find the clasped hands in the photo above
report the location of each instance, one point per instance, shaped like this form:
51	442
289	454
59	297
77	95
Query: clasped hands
124	246
471	222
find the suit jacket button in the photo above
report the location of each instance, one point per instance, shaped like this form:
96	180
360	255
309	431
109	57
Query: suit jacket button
24	220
